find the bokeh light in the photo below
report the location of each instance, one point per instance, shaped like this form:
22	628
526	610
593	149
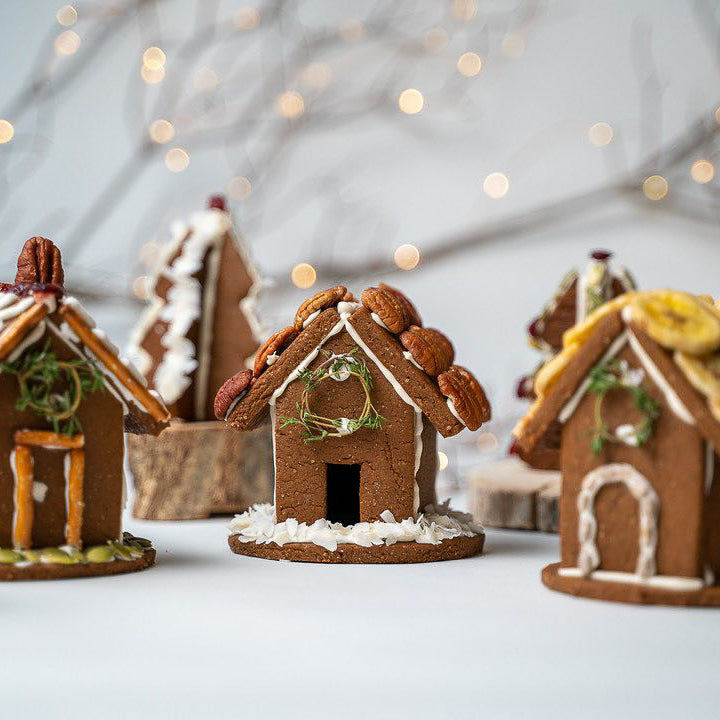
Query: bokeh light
303	275
702	171
67	42
496	185
600	134
206	79
152	76
290	104
239	187
154	58
442	460
435	39
465	9
411	101
317	75
513	45
176	159
66	15
655	187
247	18
469	64
161	131
6	131
407	257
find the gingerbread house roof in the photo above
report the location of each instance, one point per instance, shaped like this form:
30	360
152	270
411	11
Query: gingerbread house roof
676	338
186	288
28	311
417	361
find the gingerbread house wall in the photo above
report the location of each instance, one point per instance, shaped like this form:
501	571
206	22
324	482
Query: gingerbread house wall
101	416
673	461
386	455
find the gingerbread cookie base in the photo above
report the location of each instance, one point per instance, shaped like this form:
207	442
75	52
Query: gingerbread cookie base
627	592
58	571
400	552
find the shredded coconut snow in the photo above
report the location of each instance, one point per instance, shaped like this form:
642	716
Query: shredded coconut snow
436	524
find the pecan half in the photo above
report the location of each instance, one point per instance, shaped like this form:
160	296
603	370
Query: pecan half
321	301
466	394
388	307
231	390
429	348
274	345
412	313
39	262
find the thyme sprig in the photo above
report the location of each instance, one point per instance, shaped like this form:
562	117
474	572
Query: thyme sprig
54	388
336	367
614	375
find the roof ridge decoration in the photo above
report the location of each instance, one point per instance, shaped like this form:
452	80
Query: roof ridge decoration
674	335
194	247
450	399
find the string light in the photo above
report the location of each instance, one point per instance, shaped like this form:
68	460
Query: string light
513	45
352	31
206	79
239	187
600	134
411	101
154	58
247	18
435	39
407	257
496	185
152	76
317	75
66	15
6	131
655	187
303	275
486	442
442	459
290	104
176	160
161	131
702	171
464	9
67	42
469	64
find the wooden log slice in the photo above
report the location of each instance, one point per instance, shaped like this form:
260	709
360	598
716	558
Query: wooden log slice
193	470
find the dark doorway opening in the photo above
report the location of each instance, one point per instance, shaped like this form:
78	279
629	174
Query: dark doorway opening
343	494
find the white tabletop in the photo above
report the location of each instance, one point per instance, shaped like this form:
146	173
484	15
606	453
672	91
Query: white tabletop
209	634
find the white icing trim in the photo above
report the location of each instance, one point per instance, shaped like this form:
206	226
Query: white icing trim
30	339
11	311
408	356
345	307
671	397
665	582
377	319
451	408
310	318
234	403
572	404
206	331
709	467
345	323
436	524
648	505
272	358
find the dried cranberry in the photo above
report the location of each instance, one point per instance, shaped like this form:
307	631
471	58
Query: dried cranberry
512	450
217	202
524	388
23	289
534	328
601	255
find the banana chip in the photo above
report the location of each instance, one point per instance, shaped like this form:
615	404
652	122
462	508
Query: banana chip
548	373
703	373
677	321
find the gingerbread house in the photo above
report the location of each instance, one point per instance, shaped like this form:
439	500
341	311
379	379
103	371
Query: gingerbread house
68	396
199	327
356	394
636	390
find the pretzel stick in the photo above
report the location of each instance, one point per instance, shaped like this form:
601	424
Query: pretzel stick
158	411
24	508
75	505
20	327
49	440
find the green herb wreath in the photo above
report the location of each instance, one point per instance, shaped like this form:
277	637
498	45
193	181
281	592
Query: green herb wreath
615	375
339	368
40	377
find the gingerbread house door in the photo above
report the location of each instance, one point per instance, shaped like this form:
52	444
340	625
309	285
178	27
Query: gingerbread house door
616	501
342	494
